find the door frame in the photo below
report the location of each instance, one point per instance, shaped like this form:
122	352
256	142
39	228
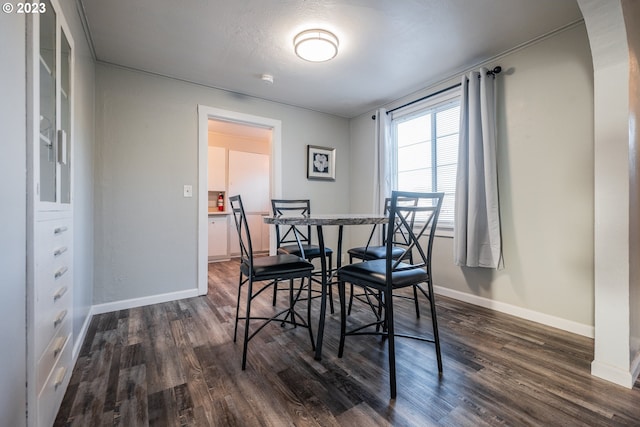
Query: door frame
204	114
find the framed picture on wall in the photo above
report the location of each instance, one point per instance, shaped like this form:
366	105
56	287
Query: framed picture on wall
321	163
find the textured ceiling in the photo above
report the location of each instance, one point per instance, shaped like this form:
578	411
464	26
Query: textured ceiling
388	49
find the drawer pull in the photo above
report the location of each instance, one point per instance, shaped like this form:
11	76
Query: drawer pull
60	318
59	230
60	251
60	272
60	374
60	342
59	293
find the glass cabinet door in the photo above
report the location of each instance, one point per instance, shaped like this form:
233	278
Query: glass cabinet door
64	136
54	146
48	119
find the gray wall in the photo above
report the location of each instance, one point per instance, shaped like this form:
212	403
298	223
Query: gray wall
146	134
545	167
12	215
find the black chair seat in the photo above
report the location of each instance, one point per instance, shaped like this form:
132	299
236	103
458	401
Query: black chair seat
278	264
374	252
374	273
310	251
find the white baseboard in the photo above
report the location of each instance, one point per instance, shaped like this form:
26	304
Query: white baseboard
79	340
612	374
523	313
635	368
140	302
122	305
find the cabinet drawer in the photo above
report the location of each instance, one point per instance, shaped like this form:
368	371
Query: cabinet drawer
51	313
52	353
53	232
52	393
50	282
53	253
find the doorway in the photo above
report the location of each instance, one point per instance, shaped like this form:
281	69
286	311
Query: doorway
242	154
234	123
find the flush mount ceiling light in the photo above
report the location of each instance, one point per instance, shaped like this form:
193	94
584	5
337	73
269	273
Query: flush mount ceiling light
316	45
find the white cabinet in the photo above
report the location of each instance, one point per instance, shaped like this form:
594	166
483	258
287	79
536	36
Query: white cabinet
51	317
218	233
217	169
259	235
50	278
249	177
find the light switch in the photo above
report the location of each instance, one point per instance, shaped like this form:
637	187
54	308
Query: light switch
188	191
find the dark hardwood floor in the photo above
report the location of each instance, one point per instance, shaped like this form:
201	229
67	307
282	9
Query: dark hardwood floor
175	364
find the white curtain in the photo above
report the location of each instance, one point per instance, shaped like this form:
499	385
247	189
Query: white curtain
383	161
477	239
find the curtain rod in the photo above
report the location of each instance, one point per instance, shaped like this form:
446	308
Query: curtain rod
493	72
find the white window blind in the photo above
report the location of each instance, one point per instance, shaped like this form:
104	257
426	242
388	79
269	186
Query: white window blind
426	140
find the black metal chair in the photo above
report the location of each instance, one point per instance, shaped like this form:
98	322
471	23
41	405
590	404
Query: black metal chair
270	269
371	252
392	273
295	240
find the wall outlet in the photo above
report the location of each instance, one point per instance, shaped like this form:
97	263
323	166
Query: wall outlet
188	191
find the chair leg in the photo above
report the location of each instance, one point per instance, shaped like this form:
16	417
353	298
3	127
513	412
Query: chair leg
434	321
275	293
381	301
330	293
415	301
392	346
350	289
246	324
235	329
343	316
313	344
291	305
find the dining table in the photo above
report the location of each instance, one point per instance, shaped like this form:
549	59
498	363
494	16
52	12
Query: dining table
319	221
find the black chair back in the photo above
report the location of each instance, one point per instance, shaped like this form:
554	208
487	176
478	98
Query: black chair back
242	227
400	237
415	216
292	234
400	233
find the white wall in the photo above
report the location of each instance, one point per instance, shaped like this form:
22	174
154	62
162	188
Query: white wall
13	210
545	167
83	179
146	130
13	227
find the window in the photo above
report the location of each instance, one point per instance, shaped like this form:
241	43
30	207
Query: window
426	140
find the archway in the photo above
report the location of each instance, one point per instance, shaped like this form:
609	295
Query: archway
613	27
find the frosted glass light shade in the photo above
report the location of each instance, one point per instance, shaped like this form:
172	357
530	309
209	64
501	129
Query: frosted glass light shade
316	45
